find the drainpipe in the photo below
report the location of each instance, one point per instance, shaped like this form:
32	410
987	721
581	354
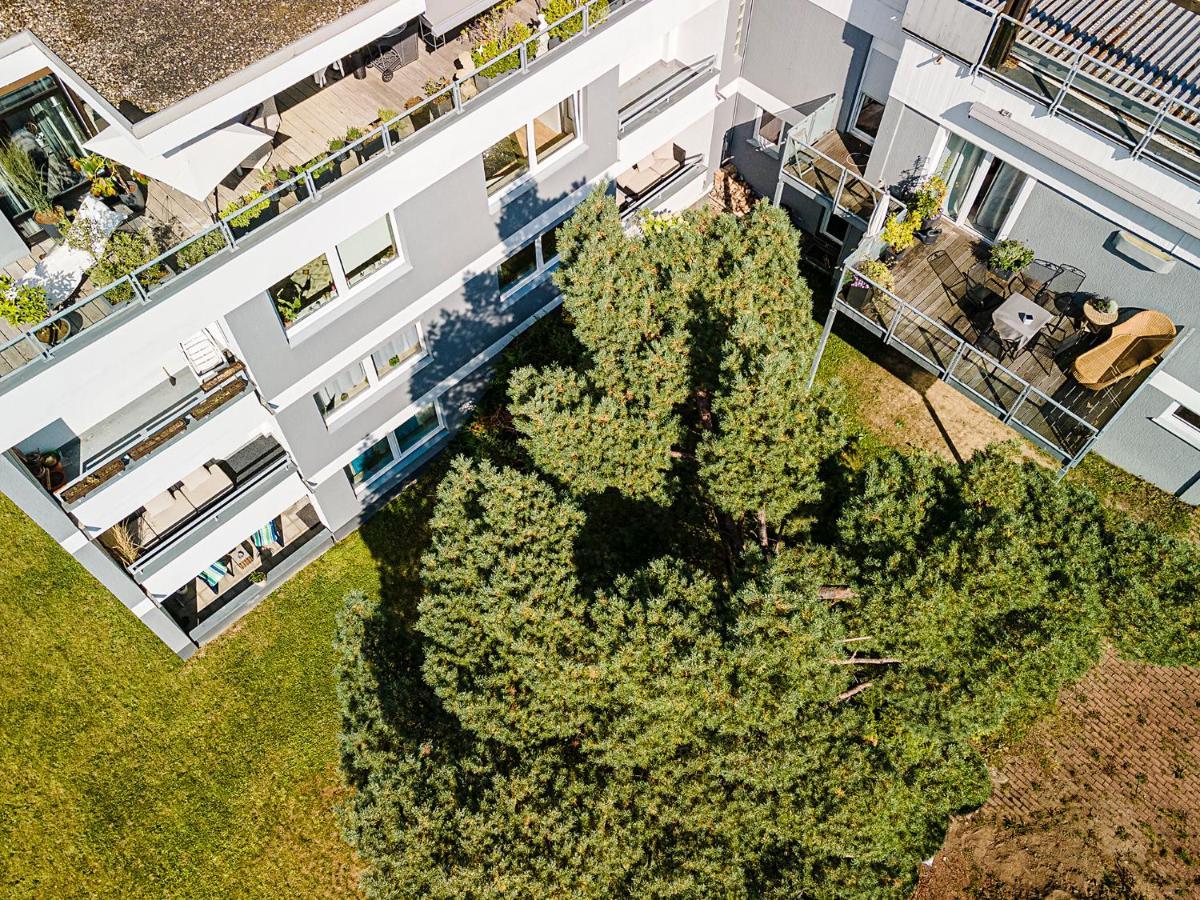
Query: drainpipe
1006	32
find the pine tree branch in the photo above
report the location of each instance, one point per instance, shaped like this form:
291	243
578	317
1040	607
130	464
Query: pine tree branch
865	637
846	695
836	592
863	661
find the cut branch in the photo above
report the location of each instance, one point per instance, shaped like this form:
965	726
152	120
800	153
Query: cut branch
865	637
846	695
836	592
863	661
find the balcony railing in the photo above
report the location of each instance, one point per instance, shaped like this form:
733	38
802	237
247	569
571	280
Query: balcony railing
1011	398
146	283
663	189
1070	80
663	95
818	175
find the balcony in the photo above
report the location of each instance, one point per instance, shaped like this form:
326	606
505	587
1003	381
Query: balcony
657	88
656	178
177	533
310	116
248	570
831	172
942	314
1079	67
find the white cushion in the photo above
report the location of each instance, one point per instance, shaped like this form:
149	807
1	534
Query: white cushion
195	479
160	505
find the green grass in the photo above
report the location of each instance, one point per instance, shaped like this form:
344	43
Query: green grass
128	773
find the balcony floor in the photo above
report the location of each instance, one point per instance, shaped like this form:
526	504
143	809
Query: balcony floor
823	176
1046	364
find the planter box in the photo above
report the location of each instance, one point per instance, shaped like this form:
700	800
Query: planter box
156	440
219	399
82	488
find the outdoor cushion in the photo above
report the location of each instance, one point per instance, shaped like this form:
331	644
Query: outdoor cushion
268	534
213	574
203	484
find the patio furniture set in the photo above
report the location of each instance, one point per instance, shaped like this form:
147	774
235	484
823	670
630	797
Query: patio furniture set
1042	312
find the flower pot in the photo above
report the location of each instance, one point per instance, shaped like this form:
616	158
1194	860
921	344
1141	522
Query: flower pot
930	236
55	333
858	296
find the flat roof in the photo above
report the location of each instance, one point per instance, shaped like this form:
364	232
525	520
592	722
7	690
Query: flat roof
145	55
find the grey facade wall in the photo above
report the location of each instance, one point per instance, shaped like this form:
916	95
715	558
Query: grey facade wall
1061	230
799	52
904	141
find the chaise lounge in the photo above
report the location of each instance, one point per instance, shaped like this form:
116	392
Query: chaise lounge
1135	344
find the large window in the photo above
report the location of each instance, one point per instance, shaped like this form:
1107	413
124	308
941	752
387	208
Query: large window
506	160
369	463
511	157
392	450
554	128
38	119
304	291
529	260
368	251
400	352
869	117
342	388
768	130
1187	416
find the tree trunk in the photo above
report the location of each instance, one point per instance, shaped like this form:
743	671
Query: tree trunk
846	695
763	539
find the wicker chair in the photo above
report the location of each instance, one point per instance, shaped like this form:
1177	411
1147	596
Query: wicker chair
1134	344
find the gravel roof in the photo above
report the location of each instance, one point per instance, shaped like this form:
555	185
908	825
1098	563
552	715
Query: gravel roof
144	55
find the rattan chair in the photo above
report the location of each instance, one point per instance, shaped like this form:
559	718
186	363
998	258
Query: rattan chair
1134	345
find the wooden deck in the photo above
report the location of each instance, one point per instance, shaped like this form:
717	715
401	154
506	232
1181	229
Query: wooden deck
985	370
824	174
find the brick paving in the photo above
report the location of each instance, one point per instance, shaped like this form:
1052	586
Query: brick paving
1106	790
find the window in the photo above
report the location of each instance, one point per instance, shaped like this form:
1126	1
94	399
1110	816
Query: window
304	291
341	389
869	118
415	429
404	348
768	130
518	267
554	129
1187	416
369	463
533	258
368	251
390	451
506	160
529	146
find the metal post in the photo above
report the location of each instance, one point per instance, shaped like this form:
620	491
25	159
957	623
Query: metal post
987	46
1008	416
387	138
1150	132
1078	457
456	95
39	349
227	233
587	19
139	288
891	329
1067	82
816	363
310	184
521	52
954	360
841	186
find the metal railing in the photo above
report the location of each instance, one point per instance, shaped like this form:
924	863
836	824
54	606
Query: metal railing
1013	399
1073	82
663	95
851	194
662	189
252	483
144	284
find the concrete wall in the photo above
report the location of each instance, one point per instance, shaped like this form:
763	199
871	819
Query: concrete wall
1061	230
798	52
904	141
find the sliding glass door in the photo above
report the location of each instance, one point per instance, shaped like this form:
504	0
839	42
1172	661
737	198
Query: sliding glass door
983	189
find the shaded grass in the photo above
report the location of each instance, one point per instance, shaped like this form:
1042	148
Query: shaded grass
128	773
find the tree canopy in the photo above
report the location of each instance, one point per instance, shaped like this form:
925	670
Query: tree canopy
674	641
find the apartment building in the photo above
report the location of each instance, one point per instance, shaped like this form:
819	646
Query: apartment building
345	212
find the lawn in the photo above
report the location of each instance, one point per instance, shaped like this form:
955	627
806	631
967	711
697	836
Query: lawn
128	773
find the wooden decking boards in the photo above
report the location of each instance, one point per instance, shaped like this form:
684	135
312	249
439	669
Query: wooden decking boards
1047	367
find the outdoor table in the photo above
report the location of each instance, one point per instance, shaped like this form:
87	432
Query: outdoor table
1018	319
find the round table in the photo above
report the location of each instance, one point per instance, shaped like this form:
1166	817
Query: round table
1094	320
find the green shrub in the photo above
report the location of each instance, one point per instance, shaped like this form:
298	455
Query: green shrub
22	304
878	273
1010	256
200	249
245	209
927	200
506	38
899	233
560	9
125	252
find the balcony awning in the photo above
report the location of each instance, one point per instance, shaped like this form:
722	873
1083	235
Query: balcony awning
197	167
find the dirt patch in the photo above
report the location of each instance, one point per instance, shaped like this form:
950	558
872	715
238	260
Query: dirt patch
1101	799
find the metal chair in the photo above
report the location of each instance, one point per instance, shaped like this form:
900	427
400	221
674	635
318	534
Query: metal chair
1063	291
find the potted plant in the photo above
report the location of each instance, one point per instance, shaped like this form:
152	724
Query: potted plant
258	576
26	180
436	87
22	304
568	14
899	232
494	36
101	172
125	252
861	289
243	212
200	249
1009	257
927	202
1101	311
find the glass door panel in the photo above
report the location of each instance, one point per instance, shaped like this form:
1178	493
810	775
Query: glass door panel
959	166
996	198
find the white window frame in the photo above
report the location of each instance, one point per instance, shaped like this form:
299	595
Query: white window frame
828	216
863	96
345	292
759	143
1185	431
375	379
542	267
534	165
371	485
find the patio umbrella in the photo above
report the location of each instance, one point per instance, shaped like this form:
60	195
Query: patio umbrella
195	168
